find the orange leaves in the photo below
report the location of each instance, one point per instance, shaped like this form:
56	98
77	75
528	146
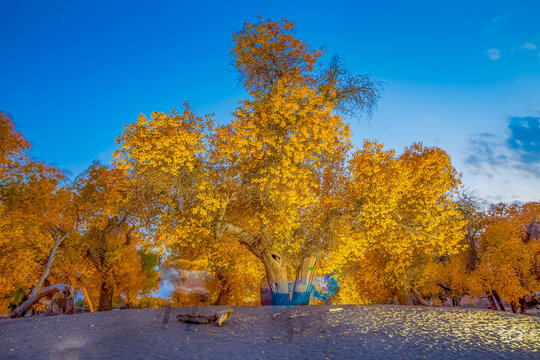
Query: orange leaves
508	260
13	144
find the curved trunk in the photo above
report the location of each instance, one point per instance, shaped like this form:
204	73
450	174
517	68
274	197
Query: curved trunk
57	241
276	271
46	291
88	300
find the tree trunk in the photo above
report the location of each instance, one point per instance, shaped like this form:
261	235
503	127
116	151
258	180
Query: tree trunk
515	307
49	290
304	278
57	241
403	297
276	275
419	297
88	300
492	302
276	272
224	296
498	298
105	297
456	300
523	305
266	294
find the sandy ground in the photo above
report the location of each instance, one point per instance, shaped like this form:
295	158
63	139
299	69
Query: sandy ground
306	332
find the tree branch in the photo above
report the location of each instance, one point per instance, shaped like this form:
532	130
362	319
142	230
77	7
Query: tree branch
52	253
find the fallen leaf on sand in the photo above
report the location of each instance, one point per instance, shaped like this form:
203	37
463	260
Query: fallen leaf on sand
335	309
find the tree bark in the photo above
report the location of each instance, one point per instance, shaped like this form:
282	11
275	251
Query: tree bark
419	297
403	297
88	300
498	298
304	277
276	276
57	241
492	302
224	296
105	297
523	305
49	290
515	307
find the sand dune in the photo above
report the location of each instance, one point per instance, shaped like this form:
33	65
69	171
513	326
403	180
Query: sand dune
306	332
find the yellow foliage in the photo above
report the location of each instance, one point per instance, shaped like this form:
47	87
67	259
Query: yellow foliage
279	178
508	261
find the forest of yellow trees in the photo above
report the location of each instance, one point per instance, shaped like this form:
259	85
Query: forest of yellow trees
275	199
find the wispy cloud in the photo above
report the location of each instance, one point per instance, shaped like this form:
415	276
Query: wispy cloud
525	138
530	46
517	149
495	22
494	54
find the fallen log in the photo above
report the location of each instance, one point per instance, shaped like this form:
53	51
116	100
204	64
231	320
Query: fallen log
194	318
62	303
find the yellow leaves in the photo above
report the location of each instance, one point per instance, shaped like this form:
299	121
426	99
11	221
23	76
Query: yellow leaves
271	44
171	143
400	217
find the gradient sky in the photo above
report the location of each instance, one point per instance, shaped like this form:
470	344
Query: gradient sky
461	75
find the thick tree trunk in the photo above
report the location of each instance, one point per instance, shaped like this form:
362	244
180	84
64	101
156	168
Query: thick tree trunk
304	277
105	297
492	302
276	272
403	297
88	300
276	276
498	299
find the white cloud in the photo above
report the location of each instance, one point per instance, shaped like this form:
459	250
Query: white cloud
494	54
530	46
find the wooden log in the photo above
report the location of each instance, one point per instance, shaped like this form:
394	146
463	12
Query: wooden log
195	318
46	291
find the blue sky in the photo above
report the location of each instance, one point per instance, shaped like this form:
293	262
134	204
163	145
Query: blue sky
461	75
